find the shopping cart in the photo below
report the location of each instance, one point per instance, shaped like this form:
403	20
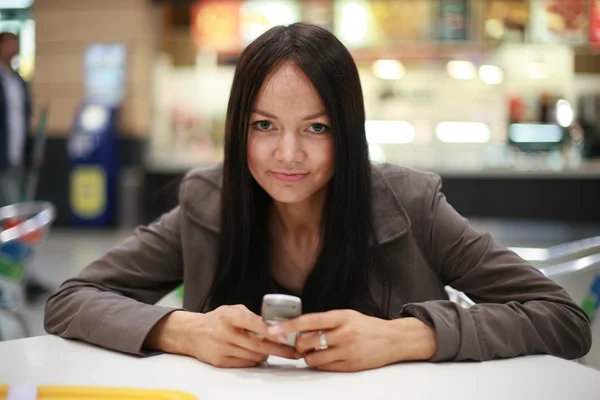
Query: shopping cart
23	228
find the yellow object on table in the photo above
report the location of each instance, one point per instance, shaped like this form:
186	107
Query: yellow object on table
101	393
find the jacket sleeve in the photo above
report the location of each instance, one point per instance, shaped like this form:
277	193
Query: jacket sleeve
518	312
111	302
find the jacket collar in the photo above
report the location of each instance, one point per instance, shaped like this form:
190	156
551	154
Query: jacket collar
201	200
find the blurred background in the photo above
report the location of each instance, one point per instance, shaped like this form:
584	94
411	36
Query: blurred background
499	97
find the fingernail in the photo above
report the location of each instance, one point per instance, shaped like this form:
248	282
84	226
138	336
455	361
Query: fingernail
275	330
298	356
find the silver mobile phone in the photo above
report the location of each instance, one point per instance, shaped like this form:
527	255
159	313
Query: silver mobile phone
281	307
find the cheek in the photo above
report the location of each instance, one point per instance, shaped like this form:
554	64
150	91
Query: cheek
250	149
257	153
252	155
326	156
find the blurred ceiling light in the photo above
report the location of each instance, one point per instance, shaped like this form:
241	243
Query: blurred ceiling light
389	132
564	113
461	70
354	22
388	69
535	133
491	74
494	28
463	132
536	70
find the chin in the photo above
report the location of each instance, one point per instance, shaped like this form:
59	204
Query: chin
282	196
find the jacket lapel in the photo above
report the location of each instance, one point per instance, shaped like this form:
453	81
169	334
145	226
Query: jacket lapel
200	195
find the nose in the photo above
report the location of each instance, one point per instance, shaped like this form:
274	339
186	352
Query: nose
289	148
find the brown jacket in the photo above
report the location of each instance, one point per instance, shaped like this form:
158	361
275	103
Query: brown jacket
519	311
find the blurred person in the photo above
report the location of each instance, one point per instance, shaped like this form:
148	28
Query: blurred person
298	208
15	143
15	113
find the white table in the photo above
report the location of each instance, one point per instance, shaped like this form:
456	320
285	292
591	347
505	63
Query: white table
49	360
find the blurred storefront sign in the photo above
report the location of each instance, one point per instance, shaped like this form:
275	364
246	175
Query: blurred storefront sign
215	25
559	21
506	20
402	20
453	19
595	21
362	24
228	26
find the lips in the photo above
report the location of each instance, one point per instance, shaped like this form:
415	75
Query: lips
289	176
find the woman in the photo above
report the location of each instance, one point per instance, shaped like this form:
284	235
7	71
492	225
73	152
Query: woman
297	208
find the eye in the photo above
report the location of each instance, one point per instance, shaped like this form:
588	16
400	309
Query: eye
263	125
318	129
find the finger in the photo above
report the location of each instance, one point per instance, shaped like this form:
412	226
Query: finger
309	341
306	323
264	346
232	362
245	319
243	353
323	357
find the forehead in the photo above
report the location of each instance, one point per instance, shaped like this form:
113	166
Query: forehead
288	87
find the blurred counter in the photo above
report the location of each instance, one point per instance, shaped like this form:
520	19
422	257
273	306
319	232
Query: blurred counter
514	185
587	170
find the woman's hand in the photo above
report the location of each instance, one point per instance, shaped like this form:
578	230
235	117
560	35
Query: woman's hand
357	342
219	338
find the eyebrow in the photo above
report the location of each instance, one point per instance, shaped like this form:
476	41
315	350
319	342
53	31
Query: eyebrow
312	116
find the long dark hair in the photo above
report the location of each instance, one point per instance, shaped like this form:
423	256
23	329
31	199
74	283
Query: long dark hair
340	278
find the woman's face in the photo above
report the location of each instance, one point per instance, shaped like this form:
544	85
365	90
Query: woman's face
290	144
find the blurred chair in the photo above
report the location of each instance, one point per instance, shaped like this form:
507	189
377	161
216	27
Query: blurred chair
573	265
23	228
576	267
